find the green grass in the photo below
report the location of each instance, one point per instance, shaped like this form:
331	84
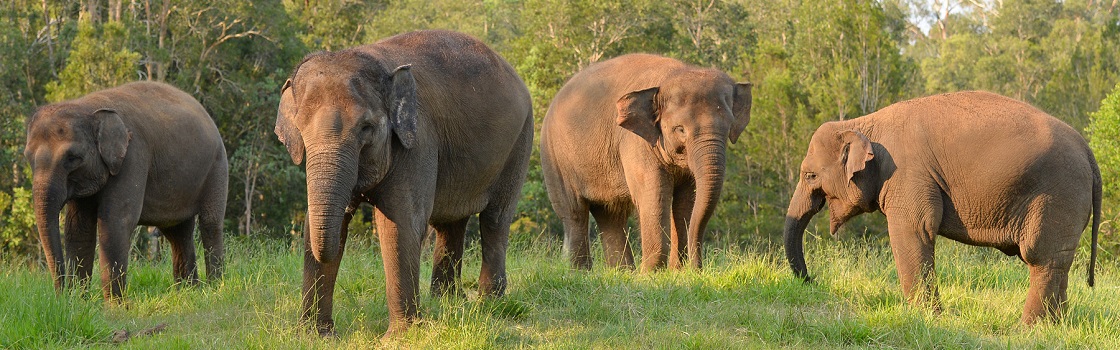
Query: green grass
743	299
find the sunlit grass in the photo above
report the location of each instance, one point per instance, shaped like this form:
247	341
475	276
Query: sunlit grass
742	299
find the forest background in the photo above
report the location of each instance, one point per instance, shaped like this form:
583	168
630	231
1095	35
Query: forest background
810	62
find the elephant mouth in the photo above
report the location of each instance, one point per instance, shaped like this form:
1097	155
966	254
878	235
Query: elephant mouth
839	214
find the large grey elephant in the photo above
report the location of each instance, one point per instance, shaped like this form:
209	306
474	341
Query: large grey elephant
640	132
142	153
974	167
429	127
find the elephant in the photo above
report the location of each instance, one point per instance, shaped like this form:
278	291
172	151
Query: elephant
141	153
430	128
974	167
643	132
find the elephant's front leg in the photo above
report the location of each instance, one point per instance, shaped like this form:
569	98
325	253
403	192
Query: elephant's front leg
652	197
319	280
114	236
399	234
912	235
81	239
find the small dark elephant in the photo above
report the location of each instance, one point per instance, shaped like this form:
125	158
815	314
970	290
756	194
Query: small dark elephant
640	132
430	127
142	153
974	167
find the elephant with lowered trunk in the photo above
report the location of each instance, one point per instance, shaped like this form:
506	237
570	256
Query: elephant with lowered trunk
141	153
974	167
429	127
640	132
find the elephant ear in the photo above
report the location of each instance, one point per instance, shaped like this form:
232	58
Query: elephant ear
403	106
637	112
286	129
740	110
856	152
112	138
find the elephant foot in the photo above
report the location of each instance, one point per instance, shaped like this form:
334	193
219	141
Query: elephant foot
325	330
581	263
396	330
451	291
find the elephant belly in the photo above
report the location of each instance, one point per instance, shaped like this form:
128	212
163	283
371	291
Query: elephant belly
174	196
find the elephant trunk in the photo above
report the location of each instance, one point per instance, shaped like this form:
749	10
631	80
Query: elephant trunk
49	195
331	176
708	166
802	207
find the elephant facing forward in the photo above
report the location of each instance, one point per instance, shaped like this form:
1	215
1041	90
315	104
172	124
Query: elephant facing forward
429	127
142	153
974	167
640	132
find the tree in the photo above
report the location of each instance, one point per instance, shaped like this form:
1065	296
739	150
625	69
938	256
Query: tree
1104	139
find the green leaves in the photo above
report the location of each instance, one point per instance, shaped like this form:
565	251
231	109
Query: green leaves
99	59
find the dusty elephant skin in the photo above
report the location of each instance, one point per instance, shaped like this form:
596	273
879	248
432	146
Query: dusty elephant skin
429	127
640	132
141	153
974	167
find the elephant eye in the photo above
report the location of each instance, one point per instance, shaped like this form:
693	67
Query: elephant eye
73	159
811	176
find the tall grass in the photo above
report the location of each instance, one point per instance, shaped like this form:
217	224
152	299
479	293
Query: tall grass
744	298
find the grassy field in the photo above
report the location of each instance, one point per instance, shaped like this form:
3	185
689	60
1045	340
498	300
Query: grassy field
744	299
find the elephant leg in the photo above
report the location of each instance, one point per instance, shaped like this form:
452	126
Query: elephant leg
912	239
81	240
114	233
319	280
210	219
652	197
577	241
399	233
447	264
494	228
684	197
1046	298
616	243
1048	246
183	258
494	220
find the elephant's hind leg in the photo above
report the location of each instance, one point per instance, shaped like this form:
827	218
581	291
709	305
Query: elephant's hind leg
81	239
1050	240
183	259
577	240
210	217
616	243
1046	297
684	198
448	258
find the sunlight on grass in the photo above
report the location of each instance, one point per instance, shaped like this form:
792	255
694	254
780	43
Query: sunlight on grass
741	299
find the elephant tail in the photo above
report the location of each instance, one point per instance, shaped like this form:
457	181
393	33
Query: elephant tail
1097	192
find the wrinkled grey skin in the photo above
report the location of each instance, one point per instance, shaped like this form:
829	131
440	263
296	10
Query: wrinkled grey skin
429	127
141	153
974	167
640	132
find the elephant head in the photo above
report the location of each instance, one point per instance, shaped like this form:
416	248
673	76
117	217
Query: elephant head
342	110
838	170
72	150
687	121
